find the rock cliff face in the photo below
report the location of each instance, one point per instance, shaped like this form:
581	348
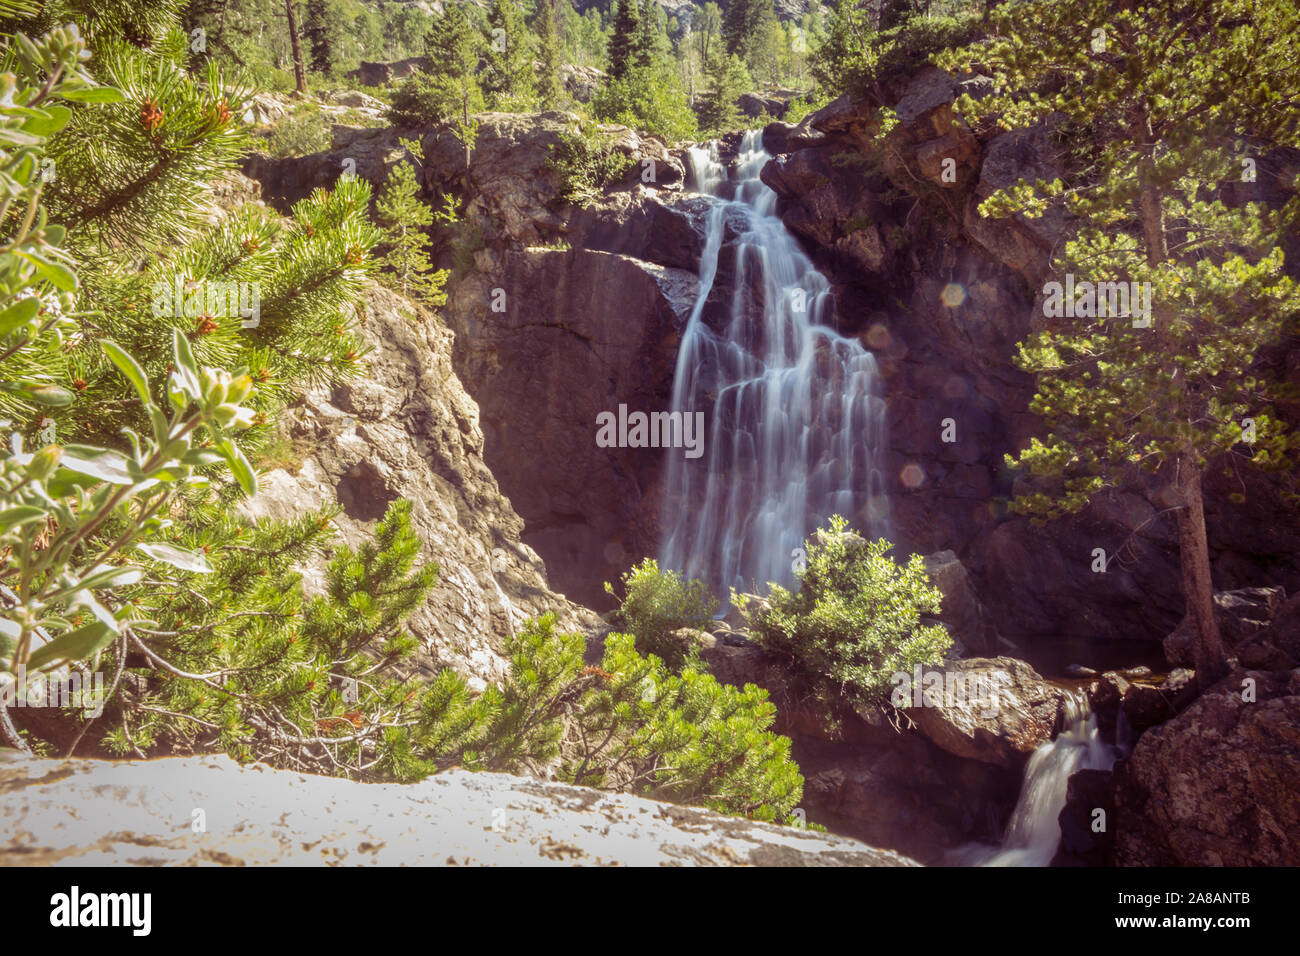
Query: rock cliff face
407	429
559	314
209	811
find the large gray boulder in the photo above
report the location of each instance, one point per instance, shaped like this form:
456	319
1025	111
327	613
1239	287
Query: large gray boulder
1219	784
210	810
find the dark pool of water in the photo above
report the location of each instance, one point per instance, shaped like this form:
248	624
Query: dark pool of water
1051	657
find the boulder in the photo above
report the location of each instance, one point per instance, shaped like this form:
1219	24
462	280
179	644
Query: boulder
1085	836
962	613
1241	614
355	99
581	82
377	74
206	811
1145	706
773	103
994	710
1105	698
1219	784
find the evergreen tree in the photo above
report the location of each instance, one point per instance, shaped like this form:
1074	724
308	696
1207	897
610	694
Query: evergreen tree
1177	103
549	52
626	43
406	220
509	76
323	27
652	45
728	80
742	27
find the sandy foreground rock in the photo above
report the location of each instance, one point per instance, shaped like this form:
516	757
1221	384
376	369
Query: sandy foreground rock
144	813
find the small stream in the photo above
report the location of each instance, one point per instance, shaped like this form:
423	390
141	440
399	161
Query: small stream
1034	831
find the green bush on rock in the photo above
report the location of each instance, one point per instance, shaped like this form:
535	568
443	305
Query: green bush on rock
854	621
658	602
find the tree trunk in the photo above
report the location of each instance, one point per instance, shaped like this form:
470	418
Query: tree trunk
299	74
1198	586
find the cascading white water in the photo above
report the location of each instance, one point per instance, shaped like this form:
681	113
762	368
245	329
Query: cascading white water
1034	831
795	418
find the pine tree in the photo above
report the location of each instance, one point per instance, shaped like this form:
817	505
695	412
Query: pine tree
625	44
449	92
1178	104
406	220
742	26
319	30
299	72
728	80
549	52
508	78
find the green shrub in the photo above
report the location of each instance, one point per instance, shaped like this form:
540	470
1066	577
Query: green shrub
586	163
631	725
299	134
856	59
650	99
422	99
685	738
853	622
656	603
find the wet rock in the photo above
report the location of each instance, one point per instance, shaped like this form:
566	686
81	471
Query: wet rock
1078	670
100	813
1219	784
1086	820
1146	706
1105	698
1005	711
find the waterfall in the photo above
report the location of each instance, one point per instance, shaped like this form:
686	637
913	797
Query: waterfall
1034	831
795	419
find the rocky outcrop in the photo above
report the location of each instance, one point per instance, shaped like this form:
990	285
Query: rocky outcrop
771	103
961	613
1241	615
211	811
995	710
560	313
1219	784
377	74
407	429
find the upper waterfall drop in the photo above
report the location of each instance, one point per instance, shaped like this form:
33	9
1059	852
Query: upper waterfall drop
795	419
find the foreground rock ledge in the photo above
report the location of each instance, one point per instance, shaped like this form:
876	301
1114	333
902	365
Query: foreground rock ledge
94	812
